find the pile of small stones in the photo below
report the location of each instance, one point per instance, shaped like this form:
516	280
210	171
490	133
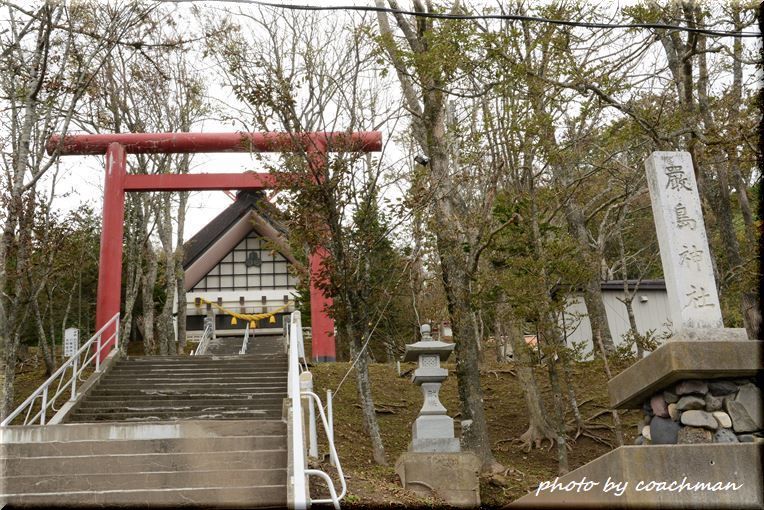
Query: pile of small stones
704	411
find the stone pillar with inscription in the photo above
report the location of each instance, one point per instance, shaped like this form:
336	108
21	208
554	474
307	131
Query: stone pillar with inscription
434	464
700	392
688	271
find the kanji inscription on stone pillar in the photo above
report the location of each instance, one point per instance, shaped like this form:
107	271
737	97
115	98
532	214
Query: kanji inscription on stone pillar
687	268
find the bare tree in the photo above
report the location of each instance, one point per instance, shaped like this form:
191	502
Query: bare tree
295	76
48	60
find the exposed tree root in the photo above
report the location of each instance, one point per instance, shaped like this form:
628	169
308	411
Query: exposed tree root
536	435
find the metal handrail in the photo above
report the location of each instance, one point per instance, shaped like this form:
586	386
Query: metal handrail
77	369
205	341
332	455
300	498
245	343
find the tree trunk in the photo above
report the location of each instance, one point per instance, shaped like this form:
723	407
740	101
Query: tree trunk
48	353
447	212
180	274
732	150
9	374
614	412
550	352
546	338
365	398
628	302
501	340
592	290
456	283
539	428
752	315
572	400
165	326
136	222
447	208
148	280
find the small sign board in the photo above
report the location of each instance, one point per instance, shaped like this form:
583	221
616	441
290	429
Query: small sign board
71	341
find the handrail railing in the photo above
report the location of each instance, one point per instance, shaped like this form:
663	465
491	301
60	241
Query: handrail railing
245	342
300	498
332	455
205	341
70	385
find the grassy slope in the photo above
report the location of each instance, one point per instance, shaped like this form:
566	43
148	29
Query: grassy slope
400	400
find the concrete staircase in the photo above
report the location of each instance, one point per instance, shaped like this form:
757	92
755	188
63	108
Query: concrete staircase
188	387
171	431
257	345
194	463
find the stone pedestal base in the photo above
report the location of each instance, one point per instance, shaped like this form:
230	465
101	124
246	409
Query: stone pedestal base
452	477
710	334
433	433
677	360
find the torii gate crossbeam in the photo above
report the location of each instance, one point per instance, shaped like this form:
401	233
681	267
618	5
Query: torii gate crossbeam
117	182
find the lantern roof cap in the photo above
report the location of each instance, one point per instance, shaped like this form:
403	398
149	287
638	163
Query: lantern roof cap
427	346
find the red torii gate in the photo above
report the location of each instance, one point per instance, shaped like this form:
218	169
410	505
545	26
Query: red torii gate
117	182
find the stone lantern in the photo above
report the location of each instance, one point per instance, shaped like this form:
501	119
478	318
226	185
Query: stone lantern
434	464
433	430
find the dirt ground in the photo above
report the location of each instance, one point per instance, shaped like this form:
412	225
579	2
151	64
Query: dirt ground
398	401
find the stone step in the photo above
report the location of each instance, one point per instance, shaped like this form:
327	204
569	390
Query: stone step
215	497
206	412
194	429
164	415
165	445
163	407
242	364
191	381
147	481
199	369
270	398
180	372
181	376
274	380
146	462
194	376
233	360
203	358
250	389
219	388
206	364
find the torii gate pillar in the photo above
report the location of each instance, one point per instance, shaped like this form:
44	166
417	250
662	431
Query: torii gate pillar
117	182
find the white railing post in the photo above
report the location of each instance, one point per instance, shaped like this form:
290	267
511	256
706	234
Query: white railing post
306	385
330	417
98	354
298	445
44	405
245	342
201	348
74	378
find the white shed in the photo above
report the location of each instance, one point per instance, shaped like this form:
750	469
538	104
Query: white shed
650	311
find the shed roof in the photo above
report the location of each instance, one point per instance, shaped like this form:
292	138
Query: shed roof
643	285
616	285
